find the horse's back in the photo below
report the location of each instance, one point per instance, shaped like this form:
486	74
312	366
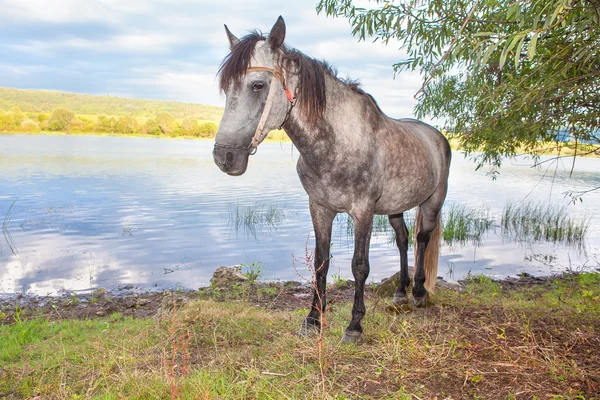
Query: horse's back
429	134
417	161
426	140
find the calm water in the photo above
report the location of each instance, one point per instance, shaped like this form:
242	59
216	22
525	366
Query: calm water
104	211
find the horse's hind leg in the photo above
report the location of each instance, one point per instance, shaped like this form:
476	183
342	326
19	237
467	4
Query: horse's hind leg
428	222
322	221
397	222
363	225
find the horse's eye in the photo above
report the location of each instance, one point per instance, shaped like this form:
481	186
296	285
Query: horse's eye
256	86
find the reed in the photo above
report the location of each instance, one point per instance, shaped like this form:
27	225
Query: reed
525	222
464	224
258	215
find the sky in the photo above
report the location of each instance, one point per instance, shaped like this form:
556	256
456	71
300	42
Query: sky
171	49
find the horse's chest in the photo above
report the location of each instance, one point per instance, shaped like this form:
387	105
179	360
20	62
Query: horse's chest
338	188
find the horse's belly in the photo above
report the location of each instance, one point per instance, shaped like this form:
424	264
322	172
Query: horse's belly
394	204
400	195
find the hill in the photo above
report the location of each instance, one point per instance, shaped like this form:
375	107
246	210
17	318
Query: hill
45	101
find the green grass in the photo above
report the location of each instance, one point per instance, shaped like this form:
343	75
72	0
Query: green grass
252	271
543	222
6	232
259	215
481	342
464	224
68	358
381	226
521	222
461	224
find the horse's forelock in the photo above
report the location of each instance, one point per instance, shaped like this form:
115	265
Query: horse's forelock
233	68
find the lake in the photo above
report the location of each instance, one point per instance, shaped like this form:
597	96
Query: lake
90	212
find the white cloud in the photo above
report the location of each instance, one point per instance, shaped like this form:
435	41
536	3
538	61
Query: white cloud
21	70
348	49
60	11
188	83
395	96
133	43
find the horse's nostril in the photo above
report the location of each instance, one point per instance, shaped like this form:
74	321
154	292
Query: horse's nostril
229	156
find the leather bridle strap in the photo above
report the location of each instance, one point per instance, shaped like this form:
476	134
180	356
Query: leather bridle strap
260	135
278	75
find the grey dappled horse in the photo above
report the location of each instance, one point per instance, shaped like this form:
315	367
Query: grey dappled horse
353	158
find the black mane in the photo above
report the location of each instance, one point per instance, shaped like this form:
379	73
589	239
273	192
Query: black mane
312	100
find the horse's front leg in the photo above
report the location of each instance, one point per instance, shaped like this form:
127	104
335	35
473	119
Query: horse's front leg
322	219
363	225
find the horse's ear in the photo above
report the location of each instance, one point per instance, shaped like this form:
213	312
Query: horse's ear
232	39
277	34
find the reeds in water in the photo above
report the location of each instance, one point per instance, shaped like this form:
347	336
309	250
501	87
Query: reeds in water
259	215
463	224
543	222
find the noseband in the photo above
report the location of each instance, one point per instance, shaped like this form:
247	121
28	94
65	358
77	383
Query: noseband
259	135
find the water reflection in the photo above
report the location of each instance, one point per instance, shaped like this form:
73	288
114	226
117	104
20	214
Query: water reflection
102	211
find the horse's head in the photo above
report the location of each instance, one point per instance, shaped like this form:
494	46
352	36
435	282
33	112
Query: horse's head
257	98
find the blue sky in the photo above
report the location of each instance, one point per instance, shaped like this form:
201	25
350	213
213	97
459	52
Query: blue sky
171	49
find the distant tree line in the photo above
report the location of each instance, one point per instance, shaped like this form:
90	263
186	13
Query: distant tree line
39	101
64	120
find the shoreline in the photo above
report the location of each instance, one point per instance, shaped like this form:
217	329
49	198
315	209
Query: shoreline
131	300
589	151
101	134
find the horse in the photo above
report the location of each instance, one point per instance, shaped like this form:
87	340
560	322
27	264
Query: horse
353	158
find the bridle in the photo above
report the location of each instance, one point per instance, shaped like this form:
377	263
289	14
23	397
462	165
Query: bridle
260	135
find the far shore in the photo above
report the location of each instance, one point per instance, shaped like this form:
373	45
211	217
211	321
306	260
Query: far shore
549	149
279	138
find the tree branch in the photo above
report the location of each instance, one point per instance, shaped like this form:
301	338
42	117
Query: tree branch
447	52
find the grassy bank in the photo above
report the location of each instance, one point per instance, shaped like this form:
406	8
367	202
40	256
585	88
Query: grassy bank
273	136
489	340
559	149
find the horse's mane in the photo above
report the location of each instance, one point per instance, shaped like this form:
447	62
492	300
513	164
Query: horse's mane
312	100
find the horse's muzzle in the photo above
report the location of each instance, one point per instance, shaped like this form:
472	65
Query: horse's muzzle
232	161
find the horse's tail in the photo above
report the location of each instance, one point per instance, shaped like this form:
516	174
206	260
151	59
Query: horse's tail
432	252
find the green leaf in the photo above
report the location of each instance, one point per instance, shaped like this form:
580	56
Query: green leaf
508	48
518	51
490	50
532	44
550	20
512	10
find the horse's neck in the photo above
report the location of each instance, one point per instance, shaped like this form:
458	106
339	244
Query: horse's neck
316	142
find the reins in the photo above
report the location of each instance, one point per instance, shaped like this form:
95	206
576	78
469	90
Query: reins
259	135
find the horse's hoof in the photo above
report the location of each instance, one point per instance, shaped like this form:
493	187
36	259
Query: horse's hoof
351	336
400	299
420	302
308	329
